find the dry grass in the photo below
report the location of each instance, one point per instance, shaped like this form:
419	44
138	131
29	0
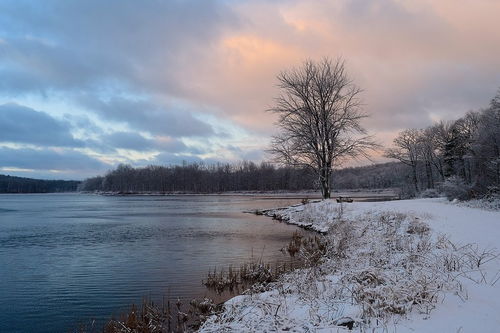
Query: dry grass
238	280
379	266
167	317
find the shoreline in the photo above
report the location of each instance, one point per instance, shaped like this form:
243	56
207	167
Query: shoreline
357	194
426	218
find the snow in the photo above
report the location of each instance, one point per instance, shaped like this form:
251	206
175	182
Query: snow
492	203
461	223
319	299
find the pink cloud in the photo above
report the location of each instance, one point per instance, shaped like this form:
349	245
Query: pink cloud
410	58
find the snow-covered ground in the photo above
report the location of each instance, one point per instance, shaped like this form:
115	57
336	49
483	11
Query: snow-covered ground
422	265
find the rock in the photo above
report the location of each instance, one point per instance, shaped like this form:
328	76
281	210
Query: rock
345	321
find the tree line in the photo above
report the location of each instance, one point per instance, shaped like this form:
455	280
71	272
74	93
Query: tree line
242	176
375	176
202	178
11	184
462	153
214	178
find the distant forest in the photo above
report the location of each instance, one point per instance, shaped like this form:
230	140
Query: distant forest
216	178
460	157
201	178
243	176
11	184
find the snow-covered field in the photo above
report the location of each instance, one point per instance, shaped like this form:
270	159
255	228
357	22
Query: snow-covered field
422	265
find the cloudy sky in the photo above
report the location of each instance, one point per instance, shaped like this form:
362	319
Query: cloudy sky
85	85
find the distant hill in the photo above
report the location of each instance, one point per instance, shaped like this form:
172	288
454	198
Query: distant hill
11	184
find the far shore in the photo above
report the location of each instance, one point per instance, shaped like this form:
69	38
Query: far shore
355	194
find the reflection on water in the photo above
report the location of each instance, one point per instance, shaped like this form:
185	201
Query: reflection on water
68	258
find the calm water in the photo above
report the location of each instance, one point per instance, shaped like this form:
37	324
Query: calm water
68	258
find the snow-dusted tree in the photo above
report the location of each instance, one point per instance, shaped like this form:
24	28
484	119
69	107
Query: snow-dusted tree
437	135
319	114
486	145
458	146
407	149
432	146
428	153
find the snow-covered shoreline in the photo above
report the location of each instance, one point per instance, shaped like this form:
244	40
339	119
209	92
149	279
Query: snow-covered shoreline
397	250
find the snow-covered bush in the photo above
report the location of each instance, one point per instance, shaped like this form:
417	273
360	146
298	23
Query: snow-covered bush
491	201
430	193
319	216
455	188
407	191
417	227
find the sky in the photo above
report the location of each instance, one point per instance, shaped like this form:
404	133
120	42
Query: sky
86	85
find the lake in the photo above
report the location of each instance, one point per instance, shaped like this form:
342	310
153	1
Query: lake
69	258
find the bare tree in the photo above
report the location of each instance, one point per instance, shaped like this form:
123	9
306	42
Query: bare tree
486	145
319	114
428	154
458	146
438	134
432	142
407	150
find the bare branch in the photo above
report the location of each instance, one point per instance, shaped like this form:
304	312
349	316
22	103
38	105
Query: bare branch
319	114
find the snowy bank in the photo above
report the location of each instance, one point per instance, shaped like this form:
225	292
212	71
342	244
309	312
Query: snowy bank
421	265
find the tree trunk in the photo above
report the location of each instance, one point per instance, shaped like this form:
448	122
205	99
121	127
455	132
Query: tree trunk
441	170
428	170
325	190
415	179
325	183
